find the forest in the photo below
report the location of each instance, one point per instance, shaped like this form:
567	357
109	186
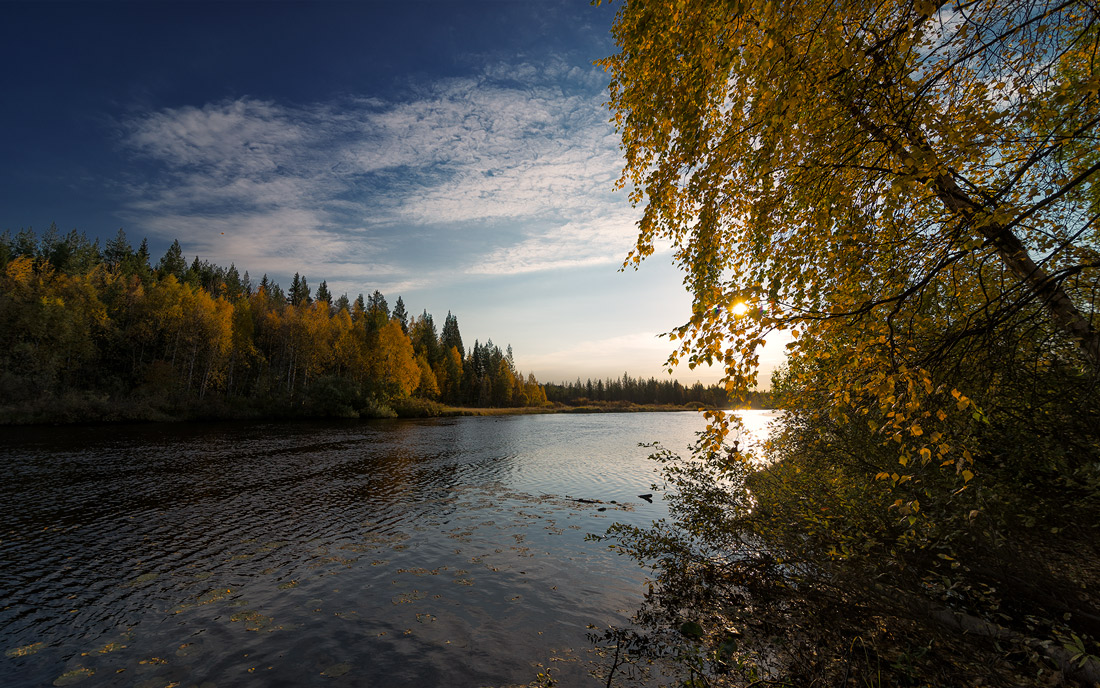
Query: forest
91	333
653	392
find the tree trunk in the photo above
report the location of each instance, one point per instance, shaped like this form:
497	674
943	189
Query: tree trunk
1011	250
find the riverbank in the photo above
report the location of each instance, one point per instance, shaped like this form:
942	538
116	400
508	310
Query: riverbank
77	408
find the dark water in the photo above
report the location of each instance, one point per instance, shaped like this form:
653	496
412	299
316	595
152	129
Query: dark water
391	553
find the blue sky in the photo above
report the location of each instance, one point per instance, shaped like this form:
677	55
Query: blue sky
456	154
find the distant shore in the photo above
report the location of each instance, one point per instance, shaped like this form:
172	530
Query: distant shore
611	407
82	409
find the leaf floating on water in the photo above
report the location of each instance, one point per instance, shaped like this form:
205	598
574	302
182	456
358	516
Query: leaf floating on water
74	676
288	585
25	650
253	620
212	596
143	578
408	597
337	670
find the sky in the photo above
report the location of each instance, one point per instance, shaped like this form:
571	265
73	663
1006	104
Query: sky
456	154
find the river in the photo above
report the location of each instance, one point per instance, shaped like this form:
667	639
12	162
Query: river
383	553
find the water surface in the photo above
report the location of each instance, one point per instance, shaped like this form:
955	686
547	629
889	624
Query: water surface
387	553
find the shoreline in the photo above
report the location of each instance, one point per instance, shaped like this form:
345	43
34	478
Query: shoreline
137	411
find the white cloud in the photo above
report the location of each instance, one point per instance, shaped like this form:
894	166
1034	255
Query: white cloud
510	169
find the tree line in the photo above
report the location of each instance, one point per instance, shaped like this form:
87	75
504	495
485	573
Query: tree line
102	333
651	391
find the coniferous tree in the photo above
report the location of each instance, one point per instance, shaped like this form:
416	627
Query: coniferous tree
450	336
401	315
172	263
377	302
137	263
25	244
342	303
117	251
424	338
5	249
50	239
299	291
234	290
143	253
359	308
277	295
323	295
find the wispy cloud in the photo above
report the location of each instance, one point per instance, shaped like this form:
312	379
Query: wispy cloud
509	170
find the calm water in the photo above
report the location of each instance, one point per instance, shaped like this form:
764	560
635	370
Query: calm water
389	553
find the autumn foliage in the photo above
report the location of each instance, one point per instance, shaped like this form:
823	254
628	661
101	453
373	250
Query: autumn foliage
91	334
909	190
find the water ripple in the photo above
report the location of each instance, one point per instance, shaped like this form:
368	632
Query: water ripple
399	553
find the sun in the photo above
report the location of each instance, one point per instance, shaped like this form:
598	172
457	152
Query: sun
740	308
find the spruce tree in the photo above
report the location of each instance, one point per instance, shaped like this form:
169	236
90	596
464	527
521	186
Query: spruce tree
172	263
117	250
401	315
323	295
451	336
